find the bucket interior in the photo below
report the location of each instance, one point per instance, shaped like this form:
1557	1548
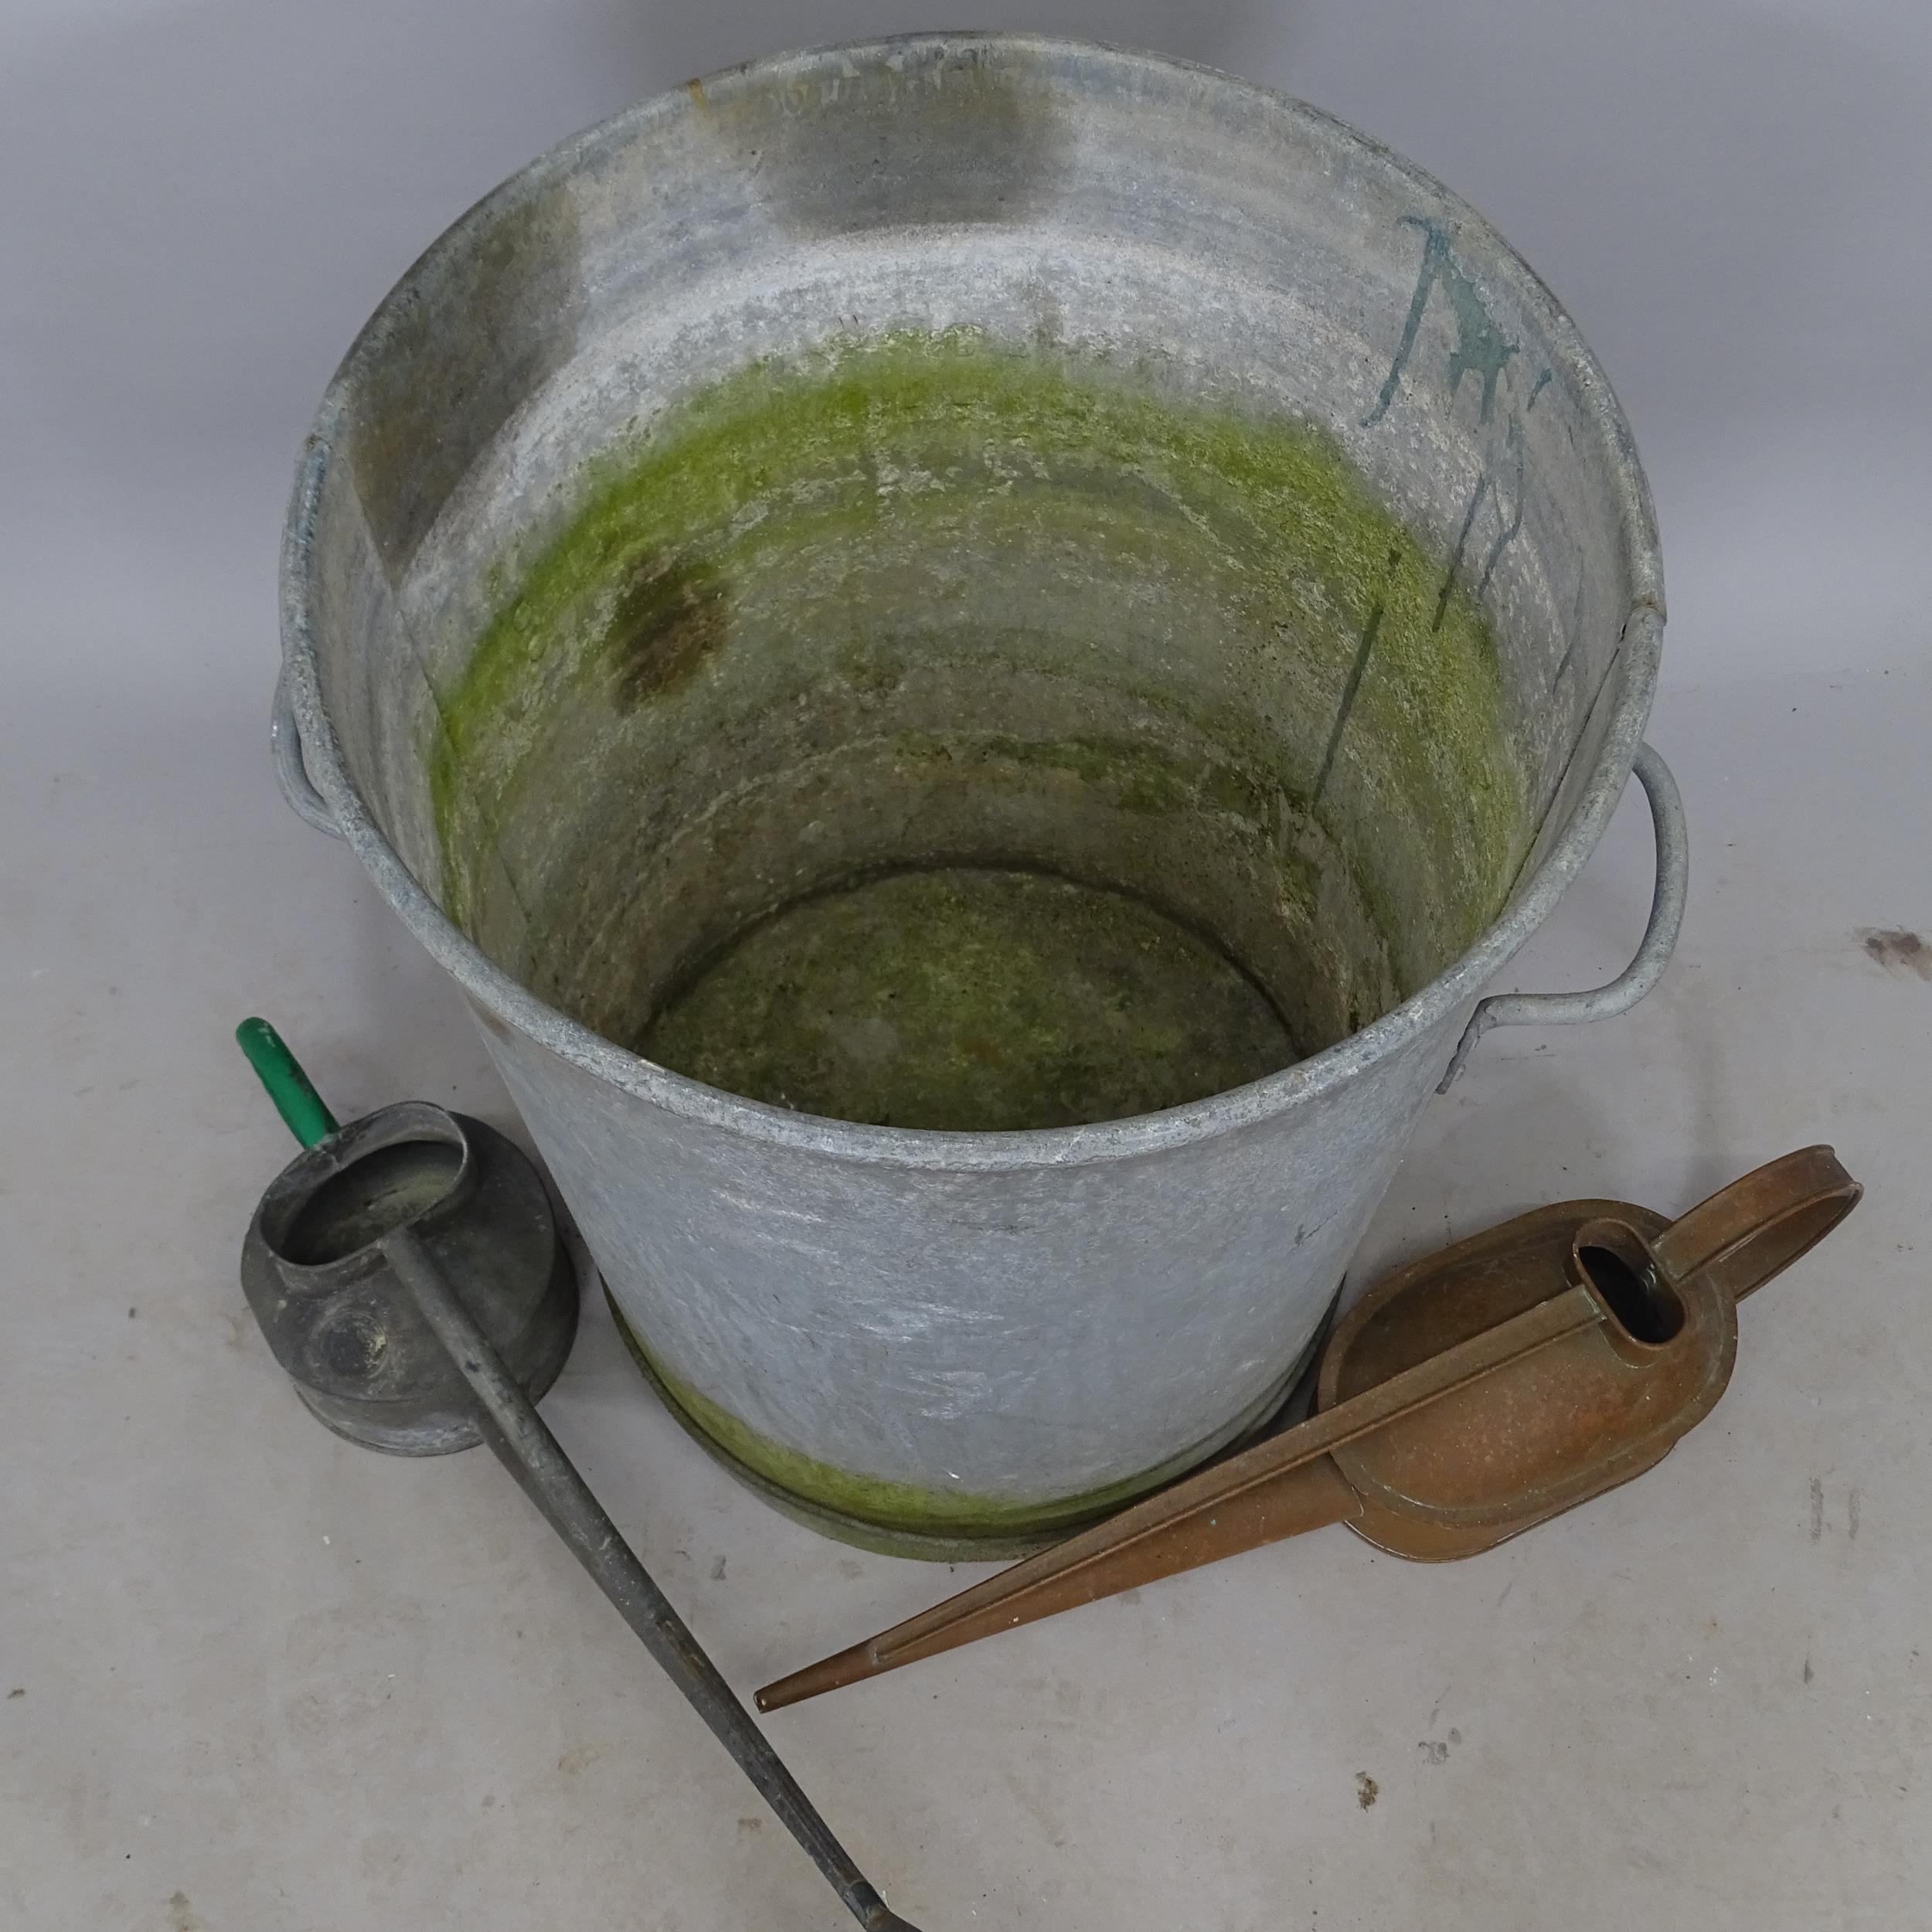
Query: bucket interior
841	598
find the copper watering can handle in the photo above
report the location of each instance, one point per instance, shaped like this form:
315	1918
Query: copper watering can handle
1761	1224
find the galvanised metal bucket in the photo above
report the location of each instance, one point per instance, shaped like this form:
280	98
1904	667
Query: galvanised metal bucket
875	493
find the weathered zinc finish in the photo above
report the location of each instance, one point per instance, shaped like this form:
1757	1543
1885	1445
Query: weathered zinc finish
997	1341
957	1334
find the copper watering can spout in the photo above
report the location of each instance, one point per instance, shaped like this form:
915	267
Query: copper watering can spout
1478	1392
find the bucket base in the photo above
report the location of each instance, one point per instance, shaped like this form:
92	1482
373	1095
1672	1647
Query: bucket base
972	998
992	1546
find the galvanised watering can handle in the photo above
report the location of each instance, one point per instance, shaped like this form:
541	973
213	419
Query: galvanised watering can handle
285	747
1660	936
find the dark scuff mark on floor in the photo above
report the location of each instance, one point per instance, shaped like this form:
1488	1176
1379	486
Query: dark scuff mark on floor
1899	952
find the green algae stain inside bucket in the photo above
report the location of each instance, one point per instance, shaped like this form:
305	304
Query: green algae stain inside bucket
945	734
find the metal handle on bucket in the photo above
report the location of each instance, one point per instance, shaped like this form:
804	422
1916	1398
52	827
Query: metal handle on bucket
285	747
1660	936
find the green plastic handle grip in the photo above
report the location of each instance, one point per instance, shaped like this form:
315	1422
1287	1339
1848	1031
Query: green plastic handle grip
294	1094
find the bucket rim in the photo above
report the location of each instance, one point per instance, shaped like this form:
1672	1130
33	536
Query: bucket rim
502	1003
